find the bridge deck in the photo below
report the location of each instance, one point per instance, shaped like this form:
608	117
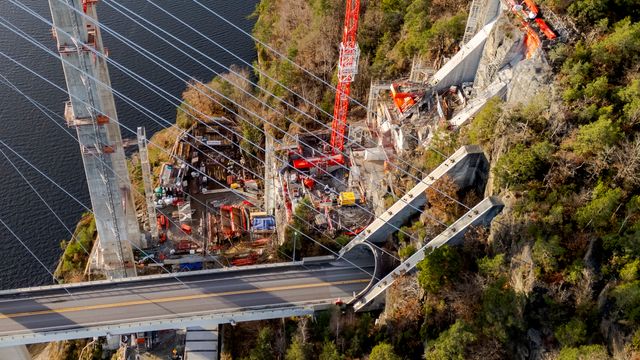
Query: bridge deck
164	303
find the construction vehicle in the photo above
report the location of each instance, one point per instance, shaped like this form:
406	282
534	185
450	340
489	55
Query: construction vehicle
529	13
261	223
347	198
332	155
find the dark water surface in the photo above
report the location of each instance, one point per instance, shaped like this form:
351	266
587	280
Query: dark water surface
49	148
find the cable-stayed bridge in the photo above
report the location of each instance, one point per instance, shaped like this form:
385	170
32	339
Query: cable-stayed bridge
355	276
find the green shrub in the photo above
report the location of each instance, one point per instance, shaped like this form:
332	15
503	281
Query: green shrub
343	240
406	251
572	333
481	129
585	352
574	272
522	164
627	297
630	271
595	137
383	351
599	210
451	343
439	267
634	344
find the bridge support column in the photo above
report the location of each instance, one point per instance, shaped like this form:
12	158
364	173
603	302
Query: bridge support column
18	352
202	343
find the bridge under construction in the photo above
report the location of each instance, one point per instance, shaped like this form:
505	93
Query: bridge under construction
357	276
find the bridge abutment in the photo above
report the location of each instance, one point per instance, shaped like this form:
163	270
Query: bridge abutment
18	352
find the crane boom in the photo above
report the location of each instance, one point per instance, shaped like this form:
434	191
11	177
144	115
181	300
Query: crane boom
347	69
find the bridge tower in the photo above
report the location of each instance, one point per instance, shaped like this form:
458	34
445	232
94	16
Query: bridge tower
91	111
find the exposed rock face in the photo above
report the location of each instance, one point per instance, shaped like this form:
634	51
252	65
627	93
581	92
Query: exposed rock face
503	46
530	77
505	49
522	276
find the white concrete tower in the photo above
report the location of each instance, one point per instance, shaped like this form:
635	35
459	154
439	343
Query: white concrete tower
91	110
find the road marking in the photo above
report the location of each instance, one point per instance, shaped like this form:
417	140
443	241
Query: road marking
179	298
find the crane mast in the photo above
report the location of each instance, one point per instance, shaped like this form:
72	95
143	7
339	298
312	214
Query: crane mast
347	69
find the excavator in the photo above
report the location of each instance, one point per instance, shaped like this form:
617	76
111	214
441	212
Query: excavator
529	14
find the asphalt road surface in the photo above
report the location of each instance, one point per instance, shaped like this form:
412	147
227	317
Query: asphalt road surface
94	305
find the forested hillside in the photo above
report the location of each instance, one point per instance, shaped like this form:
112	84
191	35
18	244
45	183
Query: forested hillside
558	274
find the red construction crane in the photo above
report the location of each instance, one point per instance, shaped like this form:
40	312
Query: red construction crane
347	70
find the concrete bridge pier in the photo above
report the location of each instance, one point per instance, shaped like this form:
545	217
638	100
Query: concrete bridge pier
18	352
202	343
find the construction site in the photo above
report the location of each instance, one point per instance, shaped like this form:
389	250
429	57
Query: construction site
209	210
345	185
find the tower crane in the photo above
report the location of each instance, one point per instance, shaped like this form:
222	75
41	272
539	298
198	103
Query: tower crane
347	70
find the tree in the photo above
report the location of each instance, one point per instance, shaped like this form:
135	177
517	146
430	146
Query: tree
630	95
297	350
595	137
522	164
600	209
572	333
546	253
501	314
619	48
491	267
329	352
383	351
438	268
263	349
451	343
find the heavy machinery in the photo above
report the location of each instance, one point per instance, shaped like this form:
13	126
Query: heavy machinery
347	198
332	155
404	97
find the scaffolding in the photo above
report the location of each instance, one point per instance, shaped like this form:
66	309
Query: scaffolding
481	13
420	72
91	111
475	12
146	180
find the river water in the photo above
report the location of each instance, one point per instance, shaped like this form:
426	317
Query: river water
49	148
